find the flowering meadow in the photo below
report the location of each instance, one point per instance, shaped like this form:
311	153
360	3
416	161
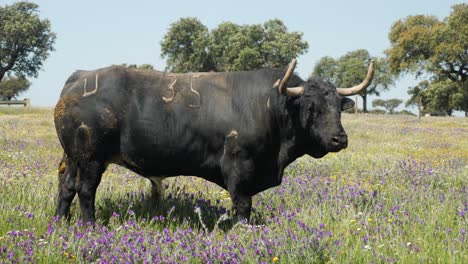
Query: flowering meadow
397	194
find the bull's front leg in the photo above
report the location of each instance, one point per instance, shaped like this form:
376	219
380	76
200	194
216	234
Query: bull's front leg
237	188
157	188
237	169
241	205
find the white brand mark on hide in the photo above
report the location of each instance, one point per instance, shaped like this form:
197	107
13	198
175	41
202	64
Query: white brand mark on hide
86	93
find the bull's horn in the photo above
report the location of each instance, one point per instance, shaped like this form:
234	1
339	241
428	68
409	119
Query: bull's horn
282	87
359	88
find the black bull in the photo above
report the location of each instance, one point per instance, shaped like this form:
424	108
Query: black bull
238	129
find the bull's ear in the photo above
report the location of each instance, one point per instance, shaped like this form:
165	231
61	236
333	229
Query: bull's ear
346	103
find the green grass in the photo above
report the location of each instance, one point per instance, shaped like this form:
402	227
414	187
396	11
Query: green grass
397	194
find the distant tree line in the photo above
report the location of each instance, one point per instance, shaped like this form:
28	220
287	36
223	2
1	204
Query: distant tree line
390	105
142	66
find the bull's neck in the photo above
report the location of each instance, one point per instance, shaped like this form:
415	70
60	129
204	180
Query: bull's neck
289	147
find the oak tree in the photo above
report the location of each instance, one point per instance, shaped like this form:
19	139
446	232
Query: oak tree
25	43
434	49
190	47
390	105
10	87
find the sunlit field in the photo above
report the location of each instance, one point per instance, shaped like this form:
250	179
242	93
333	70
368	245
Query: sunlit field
397	194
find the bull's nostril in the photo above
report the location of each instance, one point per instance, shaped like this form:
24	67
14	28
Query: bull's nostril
336	141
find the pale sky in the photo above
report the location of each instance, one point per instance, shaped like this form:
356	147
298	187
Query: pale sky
95	34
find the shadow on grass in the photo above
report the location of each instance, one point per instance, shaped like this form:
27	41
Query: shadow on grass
172	210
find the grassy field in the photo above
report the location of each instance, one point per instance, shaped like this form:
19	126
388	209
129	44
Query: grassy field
397	194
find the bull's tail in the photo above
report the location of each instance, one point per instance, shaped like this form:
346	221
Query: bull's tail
61	170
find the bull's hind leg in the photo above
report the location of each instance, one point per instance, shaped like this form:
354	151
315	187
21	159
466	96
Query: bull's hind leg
67	173
90	173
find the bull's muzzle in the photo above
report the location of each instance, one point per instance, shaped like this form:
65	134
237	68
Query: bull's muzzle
339	141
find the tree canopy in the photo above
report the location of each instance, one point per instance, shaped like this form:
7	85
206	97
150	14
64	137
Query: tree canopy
145	66
10	87
25	42
351	68
190	47
185	46
424	45
437	96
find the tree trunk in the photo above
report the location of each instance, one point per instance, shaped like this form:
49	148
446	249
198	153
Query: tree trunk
356	105
364	103
419	107
2	73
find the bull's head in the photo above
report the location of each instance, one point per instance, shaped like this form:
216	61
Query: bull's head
316	110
